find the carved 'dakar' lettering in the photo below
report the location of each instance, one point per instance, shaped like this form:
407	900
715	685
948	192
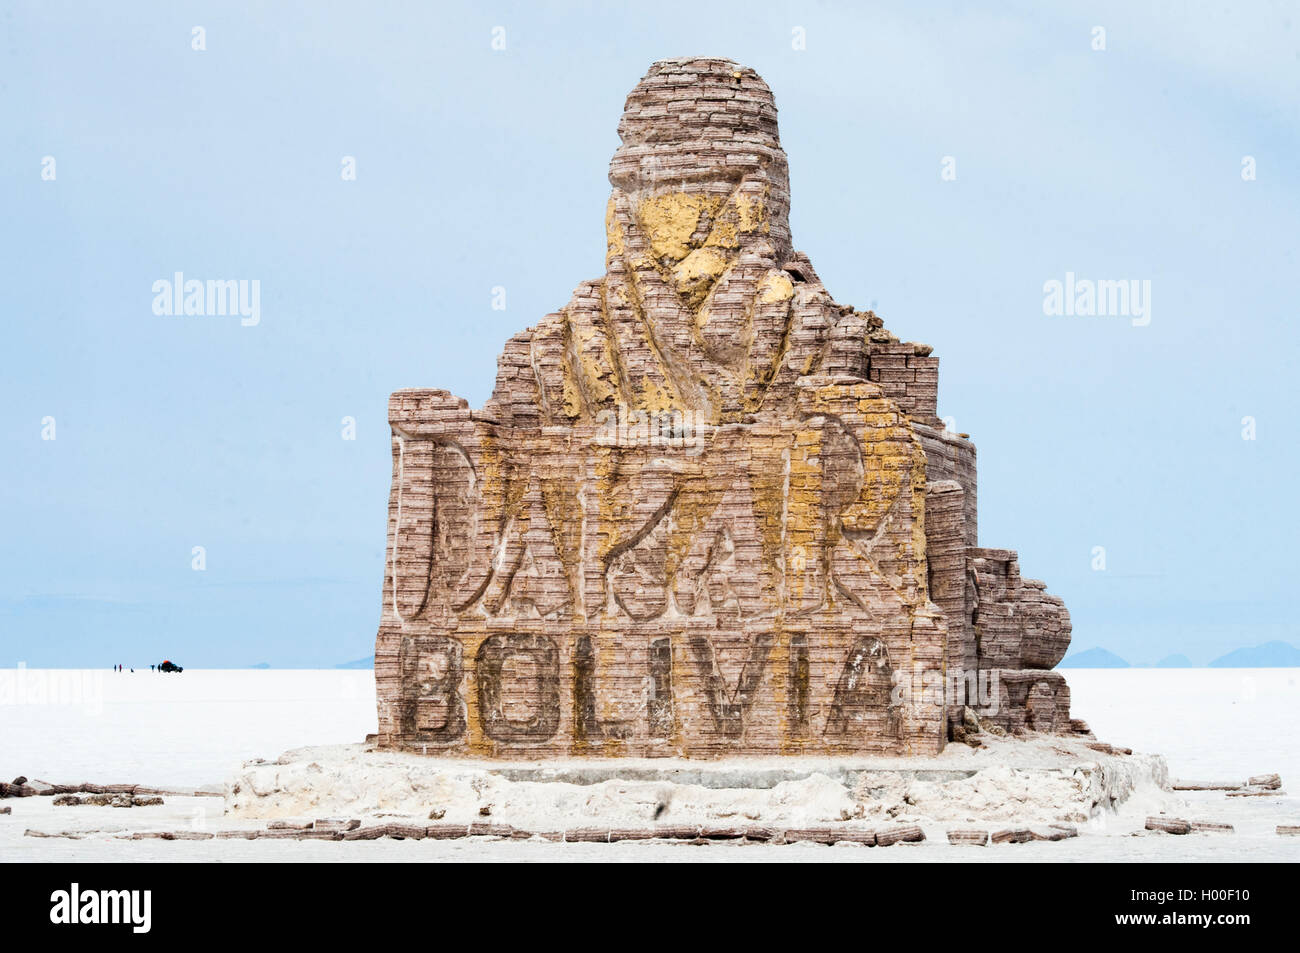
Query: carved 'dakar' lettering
725	571
531	580
518	687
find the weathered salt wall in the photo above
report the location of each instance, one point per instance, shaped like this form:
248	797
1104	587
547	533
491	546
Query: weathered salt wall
707	510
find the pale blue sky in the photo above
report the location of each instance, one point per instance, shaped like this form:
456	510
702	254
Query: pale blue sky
479	168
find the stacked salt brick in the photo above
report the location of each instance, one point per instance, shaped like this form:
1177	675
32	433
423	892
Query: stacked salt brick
910	375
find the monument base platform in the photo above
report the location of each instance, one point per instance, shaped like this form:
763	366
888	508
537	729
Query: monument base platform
1007	782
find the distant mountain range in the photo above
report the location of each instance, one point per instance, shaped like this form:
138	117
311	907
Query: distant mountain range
1268	655
1094	658
367	662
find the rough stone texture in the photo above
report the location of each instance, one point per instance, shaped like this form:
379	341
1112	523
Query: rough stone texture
707	510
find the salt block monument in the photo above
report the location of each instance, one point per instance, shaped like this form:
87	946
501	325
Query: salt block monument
706	511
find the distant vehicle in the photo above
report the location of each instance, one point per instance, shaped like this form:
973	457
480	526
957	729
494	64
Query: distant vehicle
169	667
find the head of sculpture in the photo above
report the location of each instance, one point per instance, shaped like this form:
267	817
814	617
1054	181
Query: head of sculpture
700	174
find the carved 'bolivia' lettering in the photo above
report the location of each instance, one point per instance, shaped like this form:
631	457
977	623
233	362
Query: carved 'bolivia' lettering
519	687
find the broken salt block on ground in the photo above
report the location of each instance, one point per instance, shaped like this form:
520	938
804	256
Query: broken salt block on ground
1015	835
971	838
1260	785
331	824
171	835
896	835
1108	749
1289	830
1055	832
1170	825
105	800
1211	827
6	810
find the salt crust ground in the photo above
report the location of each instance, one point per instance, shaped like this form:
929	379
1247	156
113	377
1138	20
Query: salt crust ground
1214	724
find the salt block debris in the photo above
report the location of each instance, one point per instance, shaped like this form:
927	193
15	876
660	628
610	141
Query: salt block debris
374	832
1014	835
868	838
296	835
441	831
1055	832
172	835
1257	792
969	838
6	810
482	829
1211	827
1270	781
1207	785
1289	830
1170	825
1108	749
675	832
106	800
70	835
406	831
38	788
631	833
596	835
899	835
820	835
330	824
721	833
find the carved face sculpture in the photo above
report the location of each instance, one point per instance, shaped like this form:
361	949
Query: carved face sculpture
697	233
